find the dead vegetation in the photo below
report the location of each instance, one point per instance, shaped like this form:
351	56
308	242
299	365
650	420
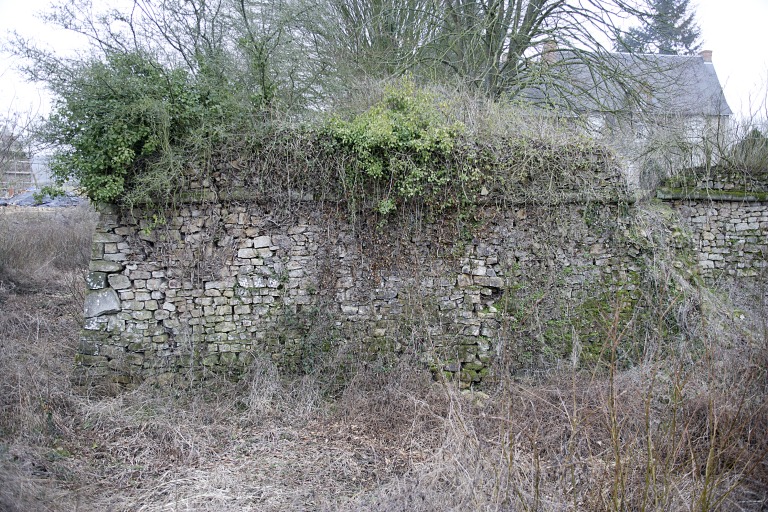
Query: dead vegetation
41	247
688	431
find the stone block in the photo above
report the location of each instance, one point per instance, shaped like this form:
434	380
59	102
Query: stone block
101	302
93	324
142	315
242	310
225	327
463	281
97	251
106	238
105	266
124	231
119	281
154	284
262	241
481	280
496	282
96	280
90	360
118	256
479	271
247	253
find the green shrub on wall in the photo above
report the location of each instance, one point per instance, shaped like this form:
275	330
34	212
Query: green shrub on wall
403	146
131	130
116	118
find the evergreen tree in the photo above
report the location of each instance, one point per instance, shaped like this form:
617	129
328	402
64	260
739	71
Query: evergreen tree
669	29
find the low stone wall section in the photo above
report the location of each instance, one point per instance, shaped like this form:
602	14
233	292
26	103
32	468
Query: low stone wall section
206	288
730	237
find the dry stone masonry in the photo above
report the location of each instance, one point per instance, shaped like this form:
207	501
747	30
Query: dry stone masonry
727	213
207	286
730	235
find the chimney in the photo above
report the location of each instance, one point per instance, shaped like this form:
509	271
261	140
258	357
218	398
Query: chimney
706	55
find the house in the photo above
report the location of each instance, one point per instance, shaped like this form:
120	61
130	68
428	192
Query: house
662	113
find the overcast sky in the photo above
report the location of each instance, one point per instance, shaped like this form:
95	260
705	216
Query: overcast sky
735	30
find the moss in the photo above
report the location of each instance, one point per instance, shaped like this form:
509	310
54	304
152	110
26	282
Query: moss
470	375
467	352
710	194
558	338
228	359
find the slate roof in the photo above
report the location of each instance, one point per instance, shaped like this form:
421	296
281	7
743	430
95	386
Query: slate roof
622	82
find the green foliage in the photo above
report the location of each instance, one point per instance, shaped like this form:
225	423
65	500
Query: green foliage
51	191
131	130
403	145
113	119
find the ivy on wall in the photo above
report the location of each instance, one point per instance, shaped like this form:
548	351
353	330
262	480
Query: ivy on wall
131	130
403	144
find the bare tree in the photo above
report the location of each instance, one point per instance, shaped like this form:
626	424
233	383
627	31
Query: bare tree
497	46
376	37
301	51
15	169
261	49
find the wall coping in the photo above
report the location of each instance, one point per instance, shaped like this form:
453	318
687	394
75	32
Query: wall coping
669	193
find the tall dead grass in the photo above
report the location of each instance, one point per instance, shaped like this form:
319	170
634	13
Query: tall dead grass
42	245
686	429
665	435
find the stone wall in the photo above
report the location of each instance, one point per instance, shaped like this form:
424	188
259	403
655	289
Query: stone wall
731	237
727	213
204	288
207	287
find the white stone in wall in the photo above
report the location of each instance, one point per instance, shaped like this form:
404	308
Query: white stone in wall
101	302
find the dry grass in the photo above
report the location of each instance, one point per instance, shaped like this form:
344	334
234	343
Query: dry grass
687	432
41	246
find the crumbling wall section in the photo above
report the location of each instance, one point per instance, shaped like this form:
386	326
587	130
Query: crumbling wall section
205	288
